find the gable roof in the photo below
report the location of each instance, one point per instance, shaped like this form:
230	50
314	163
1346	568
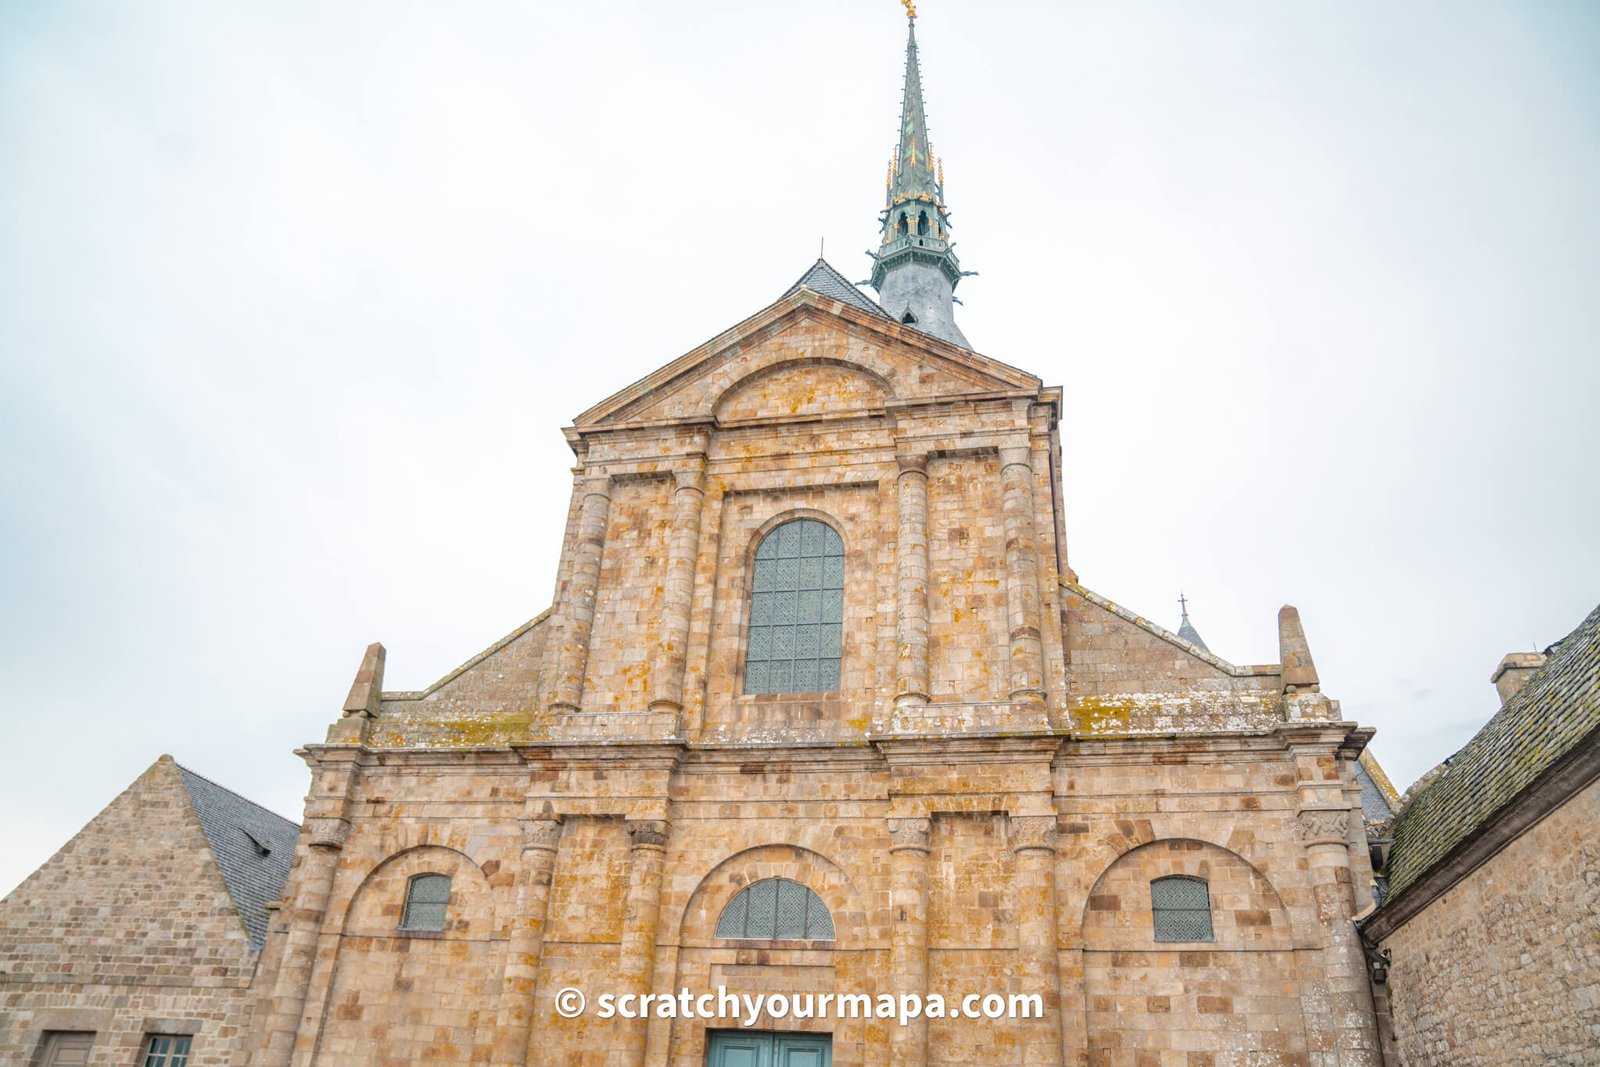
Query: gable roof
842	299
253	848
1555	712
822	279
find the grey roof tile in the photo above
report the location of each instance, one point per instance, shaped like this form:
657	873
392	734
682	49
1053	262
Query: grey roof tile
825	281
253	847
1551	715
1374	805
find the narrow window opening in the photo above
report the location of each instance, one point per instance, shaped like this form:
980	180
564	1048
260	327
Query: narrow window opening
908	317
427	898
1180	909
922	224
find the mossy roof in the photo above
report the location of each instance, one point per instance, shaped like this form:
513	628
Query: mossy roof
1555	712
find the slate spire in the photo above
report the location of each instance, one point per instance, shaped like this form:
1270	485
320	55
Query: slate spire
915	269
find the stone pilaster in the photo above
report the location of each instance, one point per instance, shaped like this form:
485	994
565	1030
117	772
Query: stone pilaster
573	657
908	950
1022	574
305	908
911	562
635	960
1350	1036
683	548
541	838
1033	843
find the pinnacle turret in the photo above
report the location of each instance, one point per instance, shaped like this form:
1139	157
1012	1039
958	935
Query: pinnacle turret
915	269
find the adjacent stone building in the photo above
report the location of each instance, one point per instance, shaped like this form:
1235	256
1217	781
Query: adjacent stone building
138	941
1491	925
821	707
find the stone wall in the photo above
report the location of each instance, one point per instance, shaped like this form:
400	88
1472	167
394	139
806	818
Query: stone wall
1504	967
128	930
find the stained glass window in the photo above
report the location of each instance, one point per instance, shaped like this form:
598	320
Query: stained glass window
776	908
796	610
427	896
1181	909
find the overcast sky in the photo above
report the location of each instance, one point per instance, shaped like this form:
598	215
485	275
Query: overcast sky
295	298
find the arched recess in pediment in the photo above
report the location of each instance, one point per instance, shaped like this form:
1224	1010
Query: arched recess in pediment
801	387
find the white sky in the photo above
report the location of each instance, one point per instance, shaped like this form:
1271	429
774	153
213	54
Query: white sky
295	297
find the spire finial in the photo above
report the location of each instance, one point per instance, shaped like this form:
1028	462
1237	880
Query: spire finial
911	9
1183	603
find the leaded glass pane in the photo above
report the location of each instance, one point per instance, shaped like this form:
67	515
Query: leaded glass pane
796	608
776	908
804	678
1180	909
780	677
762	917
791	910
731	923
819	924
427	897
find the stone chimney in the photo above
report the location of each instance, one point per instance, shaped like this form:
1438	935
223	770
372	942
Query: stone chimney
1514	672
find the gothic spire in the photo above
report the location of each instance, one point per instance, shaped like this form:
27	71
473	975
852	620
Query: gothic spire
915	269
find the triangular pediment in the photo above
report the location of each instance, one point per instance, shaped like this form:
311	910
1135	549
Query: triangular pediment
806	354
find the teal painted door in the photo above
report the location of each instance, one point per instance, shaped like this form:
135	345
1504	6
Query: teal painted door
753	1048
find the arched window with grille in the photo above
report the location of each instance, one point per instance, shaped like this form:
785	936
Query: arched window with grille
427	898
796	610
776	909
1181	909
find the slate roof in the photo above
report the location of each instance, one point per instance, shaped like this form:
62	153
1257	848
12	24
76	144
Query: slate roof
1374	804
253	847
825	281
1187	631
1557	710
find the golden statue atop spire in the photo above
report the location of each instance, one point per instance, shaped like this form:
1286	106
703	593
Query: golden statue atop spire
911	9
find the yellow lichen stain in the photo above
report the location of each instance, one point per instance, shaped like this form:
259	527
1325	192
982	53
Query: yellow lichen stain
860	724
1098	717
476	732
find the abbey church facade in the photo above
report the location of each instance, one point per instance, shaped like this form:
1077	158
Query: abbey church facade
821	707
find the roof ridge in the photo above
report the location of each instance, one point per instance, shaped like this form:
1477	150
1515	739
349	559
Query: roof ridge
235	793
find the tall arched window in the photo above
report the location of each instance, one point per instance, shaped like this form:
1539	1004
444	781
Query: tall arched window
1181	909
796	610
427	897
776	908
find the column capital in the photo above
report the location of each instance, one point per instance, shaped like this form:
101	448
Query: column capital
910	834
1324	826
327	833
1018	455
691	475
649	833
541	833
1033	833
911	462
596	483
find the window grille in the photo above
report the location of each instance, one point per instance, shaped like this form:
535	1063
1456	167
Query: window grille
427	896
1181	909
776	908
166	1050
796	610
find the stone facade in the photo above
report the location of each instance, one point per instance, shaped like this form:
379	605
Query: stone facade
1490	930
1008	761
129	930
1505	966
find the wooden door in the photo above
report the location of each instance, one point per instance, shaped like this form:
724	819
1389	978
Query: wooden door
756	1048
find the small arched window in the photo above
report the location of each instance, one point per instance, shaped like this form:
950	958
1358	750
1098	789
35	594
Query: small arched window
427	897
776	909
901	226
796	610
922	224
1181	909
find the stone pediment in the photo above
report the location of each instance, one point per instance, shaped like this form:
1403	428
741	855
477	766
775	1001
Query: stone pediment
807	355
